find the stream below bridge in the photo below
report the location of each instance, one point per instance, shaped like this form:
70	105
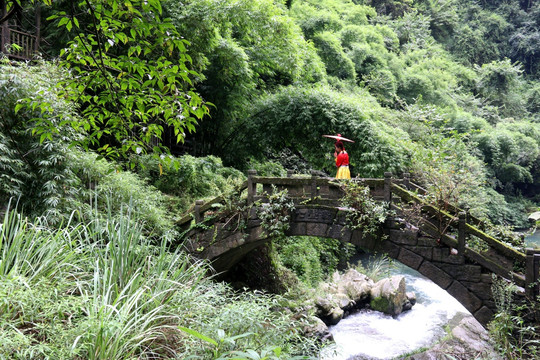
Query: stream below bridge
371	335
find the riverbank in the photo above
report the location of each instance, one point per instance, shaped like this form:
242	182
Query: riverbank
466	340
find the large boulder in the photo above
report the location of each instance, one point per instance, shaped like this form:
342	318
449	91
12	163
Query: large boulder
329	310
317	329
355	285
388	295
334	316
466	340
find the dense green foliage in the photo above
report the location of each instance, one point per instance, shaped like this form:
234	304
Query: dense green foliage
312	259
129	75
447	90
32	168
398	77
242	48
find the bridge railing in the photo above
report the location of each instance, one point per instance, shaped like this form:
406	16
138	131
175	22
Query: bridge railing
532	273
26	43
320	190
197	211
500	258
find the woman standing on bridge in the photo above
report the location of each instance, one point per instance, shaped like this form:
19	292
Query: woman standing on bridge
342	161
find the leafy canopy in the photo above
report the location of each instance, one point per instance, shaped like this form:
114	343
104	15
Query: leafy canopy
128	70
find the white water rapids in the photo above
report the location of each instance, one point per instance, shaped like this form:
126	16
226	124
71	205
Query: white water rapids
371	335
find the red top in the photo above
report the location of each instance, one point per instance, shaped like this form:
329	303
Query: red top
342	159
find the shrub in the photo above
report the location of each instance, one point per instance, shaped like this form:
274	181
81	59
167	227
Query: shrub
106	188
364	213
313	20
367	58
299	255
307	114
188	178
332	54
383	85
501	83
34	169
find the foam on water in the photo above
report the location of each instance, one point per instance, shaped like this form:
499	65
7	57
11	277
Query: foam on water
372	335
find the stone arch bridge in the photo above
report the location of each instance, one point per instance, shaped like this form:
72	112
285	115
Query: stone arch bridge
437	245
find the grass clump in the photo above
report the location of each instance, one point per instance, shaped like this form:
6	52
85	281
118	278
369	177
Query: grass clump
513	333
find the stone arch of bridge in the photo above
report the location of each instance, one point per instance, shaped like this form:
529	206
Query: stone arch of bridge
467	282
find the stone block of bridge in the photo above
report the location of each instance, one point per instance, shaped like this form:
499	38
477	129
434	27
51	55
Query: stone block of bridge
373	243
471	273
316	229
206	237
404	237
464	296
253	214
394	223
409	258
438	276
297	229
427	241
214	251
423	251
484	315
480	289
255	233
444	255
322	216
338	231
388	248
234	240
254	223
341	217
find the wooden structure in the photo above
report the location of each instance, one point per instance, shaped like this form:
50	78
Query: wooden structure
16	42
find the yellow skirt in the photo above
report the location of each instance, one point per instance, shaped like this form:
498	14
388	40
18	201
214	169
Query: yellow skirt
343	172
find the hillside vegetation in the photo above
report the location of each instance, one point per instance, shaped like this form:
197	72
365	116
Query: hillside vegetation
422	86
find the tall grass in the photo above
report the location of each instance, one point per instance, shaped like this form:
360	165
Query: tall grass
378	267
129	292
31	250
102	290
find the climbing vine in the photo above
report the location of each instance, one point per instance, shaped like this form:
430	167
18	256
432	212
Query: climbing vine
364	213
275	214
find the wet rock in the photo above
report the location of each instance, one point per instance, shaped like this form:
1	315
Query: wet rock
334	317
324	305
411	297
470	331
328	308
388	295
410	302
344	301
467	340
355	285
317	329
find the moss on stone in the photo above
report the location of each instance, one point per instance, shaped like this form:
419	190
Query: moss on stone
380	303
